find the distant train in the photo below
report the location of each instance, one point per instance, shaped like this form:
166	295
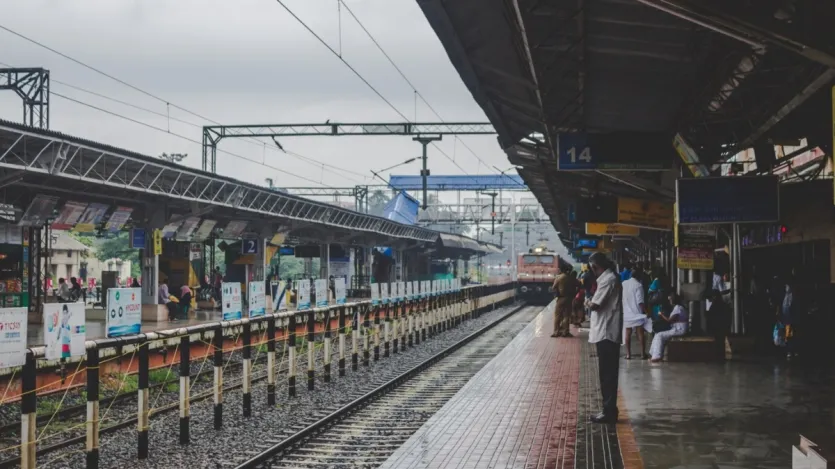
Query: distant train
536	272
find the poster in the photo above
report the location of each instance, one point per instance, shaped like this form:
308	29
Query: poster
12	337
39	211
90	219
118	219
339	290
187	229
281	300
375	294
425	289
231	296
384	293
396	294
410	290
257	299
69	215
234	229
321	285
303	293
434	290
170	229
696	245
205	230
124	311
65	330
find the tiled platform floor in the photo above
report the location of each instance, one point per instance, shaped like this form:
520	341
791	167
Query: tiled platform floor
518	411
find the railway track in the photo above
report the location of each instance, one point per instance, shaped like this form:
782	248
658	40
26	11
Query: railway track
365	432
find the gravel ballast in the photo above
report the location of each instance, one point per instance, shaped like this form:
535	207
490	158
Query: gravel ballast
210	448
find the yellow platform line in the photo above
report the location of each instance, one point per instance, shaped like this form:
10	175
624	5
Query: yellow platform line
626	438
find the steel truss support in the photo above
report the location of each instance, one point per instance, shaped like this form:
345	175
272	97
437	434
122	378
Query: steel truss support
32	85
61	158
213	134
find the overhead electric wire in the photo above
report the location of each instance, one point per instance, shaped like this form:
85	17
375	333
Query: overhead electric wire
409	82
154	96
160	129
364	80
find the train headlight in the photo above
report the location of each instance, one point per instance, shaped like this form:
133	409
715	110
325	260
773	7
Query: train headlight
538	289
524	289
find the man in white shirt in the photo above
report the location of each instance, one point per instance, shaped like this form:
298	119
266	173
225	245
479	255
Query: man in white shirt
605	332
634	314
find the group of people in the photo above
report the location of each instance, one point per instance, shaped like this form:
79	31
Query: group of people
70	292
178	304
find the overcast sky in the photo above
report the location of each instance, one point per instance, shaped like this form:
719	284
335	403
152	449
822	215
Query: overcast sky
246	61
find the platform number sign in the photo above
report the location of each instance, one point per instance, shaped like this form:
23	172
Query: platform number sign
249	246
574	152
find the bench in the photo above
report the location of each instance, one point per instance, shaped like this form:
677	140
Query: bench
695	349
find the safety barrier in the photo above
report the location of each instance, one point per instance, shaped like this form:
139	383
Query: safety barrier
395	326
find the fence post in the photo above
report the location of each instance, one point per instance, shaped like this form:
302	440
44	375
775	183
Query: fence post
28	412
246	352
142	394
341	341
327	347
387	331
185	373
365	339
271	361
291	353
93	408
356	323
217	346
311	356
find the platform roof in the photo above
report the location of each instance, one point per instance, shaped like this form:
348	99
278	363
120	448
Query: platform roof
35	161
726	74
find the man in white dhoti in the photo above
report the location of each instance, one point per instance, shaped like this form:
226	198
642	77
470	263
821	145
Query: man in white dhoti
634	315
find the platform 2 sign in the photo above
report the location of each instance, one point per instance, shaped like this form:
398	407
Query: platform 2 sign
231	296
616	151
13	323
754	199
124	311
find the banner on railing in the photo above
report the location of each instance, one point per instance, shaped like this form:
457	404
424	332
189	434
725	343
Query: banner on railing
385	295
321	285
64	330
281	296
231	296
410	290
339	290
12	337
375	294
425	288
303	293
124	311
257	299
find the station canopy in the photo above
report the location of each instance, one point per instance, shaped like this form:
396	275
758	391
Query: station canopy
725	75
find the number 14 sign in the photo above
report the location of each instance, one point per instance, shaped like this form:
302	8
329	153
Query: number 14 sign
574	152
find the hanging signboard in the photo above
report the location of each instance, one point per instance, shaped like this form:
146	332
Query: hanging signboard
278	239
170	230
231	297
118	219
69	216
39	211
303	293
614	151
749	199
696	246
90	219
124	311
13	324
384	293
187	229
281	299
339	290
137	238
257	299
611	229
234	229
375	294
321	285
645	214
204	230
157	242
64	330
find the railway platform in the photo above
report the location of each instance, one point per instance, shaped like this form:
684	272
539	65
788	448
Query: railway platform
530	407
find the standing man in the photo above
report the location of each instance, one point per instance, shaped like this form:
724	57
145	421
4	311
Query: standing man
565	288
605	332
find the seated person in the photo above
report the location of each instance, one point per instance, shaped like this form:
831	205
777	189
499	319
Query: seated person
63	293
678	319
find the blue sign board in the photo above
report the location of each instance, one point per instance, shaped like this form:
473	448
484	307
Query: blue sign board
586	243
249	246
137	238
615	151
744	199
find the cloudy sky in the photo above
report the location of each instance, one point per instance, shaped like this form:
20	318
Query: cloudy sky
246	61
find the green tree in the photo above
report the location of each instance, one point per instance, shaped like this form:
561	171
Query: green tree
119	246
